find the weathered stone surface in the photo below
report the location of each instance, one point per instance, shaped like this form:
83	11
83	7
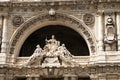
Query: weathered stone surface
97	21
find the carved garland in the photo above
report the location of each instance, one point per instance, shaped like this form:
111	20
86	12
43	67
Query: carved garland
57	16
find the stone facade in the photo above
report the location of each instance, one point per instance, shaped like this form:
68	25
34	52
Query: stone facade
97	21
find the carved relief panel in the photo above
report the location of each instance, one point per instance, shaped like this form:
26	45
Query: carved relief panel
110	37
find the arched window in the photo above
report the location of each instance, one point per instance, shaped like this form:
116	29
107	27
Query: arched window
73	41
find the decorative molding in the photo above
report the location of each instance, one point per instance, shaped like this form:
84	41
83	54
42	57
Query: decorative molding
111	7
43	3
33	71
56	17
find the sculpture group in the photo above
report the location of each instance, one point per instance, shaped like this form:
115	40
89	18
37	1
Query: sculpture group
52	54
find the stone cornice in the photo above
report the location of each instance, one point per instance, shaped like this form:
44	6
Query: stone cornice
26	3
44	3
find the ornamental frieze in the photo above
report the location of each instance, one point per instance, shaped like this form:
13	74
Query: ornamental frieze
40	7
60	71
109	6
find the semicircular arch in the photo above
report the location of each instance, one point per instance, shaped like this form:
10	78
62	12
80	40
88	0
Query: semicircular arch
39	21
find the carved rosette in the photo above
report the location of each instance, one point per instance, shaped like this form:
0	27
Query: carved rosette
88	19
17	20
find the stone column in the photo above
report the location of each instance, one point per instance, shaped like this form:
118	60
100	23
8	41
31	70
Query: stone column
100	31
118	33
118	29
4	41
1	25
4	36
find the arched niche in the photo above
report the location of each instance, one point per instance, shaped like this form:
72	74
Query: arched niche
37	22
72	40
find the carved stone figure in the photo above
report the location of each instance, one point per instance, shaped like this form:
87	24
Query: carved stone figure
63	51
51	46
52	54
37	54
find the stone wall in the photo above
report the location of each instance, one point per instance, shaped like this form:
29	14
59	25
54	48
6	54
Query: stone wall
97	21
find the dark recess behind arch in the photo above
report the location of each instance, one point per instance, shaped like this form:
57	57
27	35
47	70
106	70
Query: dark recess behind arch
72	40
